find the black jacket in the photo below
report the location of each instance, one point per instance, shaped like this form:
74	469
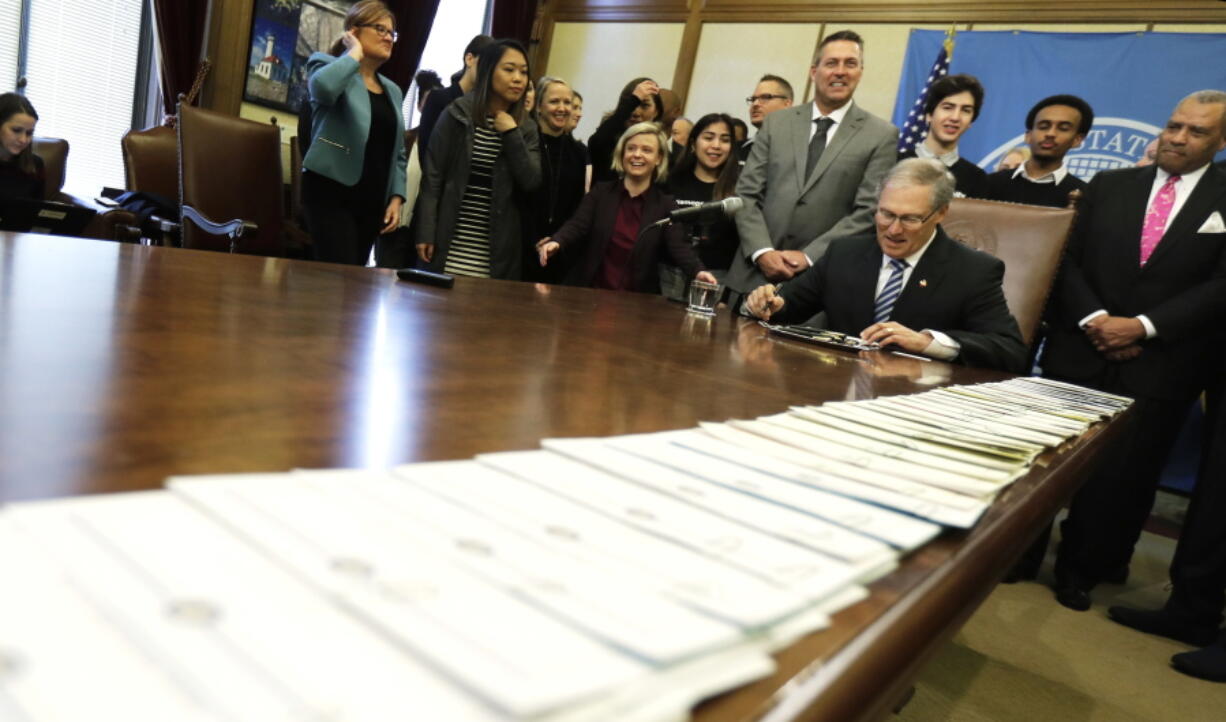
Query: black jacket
955	290
1182	288
587	234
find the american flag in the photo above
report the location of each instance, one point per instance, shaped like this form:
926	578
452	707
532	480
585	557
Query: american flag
916	128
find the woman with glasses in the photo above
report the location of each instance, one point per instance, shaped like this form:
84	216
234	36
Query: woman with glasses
21	172
354	171
563	178
639	102
707	172
482	156
613	236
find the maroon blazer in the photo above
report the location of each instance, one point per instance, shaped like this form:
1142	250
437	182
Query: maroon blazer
588	232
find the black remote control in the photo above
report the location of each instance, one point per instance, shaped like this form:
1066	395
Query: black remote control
442	280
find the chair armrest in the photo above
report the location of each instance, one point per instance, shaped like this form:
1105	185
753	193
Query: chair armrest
235	229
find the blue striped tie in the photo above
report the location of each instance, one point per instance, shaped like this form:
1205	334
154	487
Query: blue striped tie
889	292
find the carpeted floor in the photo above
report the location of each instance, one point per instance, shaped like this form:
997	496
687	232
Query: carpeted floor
1025	657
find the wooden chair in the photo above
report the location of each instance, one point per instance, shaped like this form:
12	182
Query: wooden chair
229	168
1029	239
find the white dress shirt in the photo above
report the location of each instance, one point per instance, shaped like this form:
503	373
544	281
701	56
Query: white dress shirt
1183	189
942	346
1057	176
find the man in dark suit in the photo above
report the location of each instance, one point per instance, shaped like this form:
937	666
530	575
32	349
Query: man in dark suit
812	172
909	286
1138	310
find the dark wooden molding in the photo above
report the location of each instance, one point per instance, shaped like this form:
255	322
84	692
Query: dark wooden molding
891	11
687	55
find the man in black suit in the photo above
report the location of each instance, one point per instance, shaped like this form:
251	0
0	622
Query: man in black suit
952	106
908	286
1138	310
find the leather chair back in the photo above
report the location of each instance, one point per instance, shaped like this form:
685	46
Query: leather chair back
1029	239
54	153
151	161
230	168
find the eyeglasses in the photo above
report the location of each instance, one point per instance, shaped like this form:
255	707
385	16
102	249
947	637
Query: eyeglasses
910	223
383	30
765	98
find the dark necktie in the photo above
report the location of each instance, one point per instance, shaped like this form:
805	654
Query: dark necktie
817	144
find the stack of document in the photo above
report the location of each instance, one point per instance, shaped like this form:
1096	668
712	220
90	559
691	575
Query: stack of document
616	578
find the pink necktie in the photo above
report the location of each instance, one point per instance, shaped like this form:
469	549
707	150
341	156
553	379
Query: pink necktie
1155	219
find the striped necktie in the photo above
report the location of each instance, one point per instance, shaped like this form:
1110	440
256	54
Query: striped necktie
889	292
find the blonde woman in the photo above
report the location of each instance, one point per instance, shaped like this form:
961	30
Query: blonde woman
611	237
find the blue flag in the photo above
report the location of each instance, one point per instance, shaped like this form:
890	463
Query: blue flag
1132	80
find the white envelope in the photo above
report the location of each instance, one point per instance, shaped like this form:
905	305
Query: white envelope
1213	224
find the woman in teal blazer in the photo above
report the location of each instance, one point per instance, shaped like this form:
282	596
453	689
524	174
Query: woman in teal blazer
354	171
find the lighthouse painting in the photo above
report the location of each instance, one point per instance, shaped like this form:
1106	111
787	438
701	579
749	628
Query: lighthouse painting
284	33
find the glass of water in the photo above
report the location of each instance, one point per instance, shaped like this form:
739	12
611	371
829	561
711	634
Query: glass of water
703	297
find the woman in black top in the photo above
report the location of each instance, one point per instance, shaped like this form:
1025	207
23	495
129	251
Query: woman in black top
483	154
563	179
639	102
21	172
707	172
353	176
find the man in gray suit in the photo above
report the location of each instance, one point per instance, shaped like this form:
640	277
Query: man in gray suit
813	172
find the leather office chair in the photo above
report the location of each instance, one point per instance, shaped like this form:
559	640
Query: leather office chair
151	161
151	165
1029	239
114	225
229	183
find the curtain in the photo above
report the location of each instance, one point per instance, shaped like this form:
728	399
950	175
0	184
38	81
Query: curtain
514	19
414	19
181	34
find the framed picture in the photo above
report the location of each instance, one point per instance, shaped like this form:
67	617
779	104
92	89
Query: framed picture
284	33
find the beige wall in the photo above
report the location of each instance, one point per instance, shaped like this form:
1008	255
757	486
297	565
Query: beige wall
597	59
732	56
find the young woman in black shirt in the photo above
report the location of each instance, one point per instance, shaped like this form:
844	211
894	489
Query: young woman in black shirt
707	172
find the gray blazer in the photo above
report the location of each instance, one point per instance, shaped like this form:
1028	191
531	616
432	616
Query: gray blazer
785	211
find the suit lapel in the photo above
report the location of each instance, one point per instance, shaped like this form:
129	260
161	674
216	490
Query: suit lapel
925	278
851	124
803	118
1133	205
1195	210
862	286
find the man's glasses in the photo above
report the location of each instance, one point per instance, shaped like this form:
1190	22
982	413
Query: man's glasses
765	98
384	31
910	223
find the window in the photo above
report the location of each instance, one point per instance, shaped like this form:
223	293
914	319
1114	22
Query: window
80	63
455	23
10	41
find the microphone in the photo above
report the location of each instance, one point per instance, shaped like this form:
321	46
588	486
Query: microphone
708	212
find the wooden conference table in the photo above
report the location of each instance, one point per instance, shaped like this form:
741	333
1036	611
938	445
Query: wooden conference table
121	365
